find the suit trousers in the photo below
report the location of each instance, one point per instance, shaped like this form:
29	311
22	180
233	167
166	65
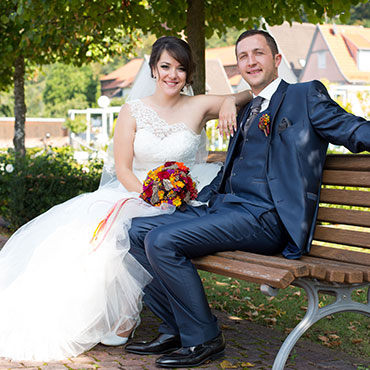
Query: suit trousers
165	245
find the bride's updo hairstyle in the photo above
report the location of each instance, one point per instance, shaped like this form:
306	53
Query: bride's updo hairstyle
178	49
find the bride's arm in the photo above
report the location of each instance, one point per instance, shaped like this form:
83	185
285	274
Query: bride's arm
223	107
124	135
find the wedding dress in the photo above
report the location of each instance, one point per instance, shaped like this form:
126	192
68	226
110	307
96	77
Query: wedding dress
60	294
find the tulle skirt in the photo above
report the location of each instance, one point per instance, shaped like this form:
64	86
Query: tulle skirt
60	294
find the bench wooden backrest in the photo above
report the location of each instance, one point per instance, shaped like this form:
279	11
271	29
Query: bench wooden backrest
344	212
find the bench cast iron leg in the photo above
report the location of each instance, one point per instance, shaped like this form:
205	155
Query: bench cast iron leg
343	302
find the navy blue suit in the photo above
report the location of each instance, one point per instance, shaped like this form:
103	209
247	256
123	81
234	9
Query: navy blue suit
264	200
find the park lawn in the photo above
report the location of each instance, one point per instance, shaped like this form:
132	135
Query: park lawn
347	332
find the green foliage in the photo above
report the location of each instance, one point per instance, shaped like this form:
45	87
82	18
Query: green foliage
68	87
76	125
6	104
53	89
226	39
239	14
360	14
63	31
32	184
117	102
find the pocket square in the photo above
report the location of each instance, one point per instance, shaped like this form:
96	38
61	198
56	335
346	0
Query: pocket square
283	125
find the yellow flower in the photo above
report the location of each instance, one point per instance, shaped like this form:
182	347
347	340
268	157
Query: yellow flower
180	184
160	194
177	202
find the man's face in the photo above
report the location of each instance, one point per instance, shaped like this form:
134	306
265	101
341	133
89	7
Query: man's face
256	63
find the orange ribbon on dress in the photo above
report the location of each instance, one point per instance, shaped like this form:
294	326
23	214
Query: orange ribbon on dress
103	224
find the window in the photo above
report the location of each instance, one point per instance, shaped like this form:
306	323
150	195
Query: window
321	60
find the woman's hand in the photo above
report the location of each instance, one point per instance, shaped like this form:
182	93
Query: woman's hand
227	116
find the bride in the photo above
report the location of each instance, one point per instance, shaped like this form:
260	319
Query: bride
61	293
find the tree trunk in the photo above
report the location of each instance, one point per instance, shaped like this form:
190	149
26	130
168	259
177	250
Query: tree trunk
196	37
19	107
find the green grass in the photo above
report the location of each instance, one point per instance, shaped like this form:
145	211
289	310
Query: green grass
347	332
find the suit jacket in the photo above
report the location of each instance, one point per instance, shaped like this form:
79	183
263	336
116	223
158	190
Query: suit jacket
303	120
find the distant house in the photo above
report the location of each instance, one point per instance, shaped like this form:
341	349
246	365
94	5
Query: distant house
227	57
339	53
217	81
293	42
118	82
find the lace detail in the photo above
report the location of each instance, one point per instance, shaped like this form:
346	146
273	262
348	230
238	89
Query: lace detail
147	118
156	141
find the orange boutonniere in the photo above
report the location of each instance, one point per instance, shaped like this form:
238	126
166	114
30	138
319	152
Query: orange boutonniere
264	124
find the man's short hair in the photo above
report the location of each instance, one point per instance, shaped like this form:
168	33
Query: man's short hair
269	39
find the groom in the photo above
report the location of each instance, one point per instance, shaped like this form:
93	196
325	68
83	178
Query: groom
264	200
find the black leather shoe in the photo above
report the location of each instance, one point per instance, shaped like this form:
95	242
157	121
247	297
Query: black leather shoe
194	356
164	343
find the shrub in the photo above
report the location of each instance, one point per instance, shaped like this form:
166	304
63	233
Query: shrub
76	125
31	185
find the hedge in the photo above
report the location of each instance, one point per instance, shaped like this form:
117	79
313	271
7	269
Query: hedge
31	185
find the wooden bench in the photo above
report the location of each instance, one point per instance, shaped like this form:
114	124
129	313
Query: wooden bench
327	268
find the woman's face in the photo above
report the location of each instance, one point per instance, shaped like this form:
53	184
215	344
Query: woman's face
170	74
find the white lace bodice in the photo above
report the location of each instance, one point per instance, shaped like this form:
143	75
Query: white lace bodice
156	141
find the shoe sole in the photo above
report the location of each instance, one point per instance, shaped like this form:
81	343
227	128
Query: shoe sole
213	357
167	351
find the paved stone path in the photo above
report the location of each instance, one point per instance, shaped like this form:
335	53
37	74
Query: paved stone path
249	346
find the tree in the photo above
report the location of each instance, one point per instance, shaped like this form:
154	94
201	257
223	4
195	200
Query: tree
67	31
360	15
68	87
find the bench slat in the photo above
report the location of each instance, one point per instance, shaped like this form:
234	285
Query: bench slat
297	268
216	156
358	162
338	272
344	216
276	278
346	178
339	236
340	254
345	197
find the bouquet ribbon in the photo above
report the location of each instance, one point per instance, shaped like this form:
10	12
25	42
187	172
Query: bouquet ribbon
106	224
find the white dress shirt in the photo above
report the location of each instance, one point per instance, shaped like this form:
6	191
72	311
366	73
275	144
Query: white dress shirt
267	93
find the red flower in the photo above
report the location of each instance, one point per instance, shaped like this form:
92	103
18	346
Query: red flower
164	175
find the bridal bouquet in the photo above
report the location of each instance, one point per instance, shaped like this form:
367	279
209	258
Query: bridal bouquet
169	183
